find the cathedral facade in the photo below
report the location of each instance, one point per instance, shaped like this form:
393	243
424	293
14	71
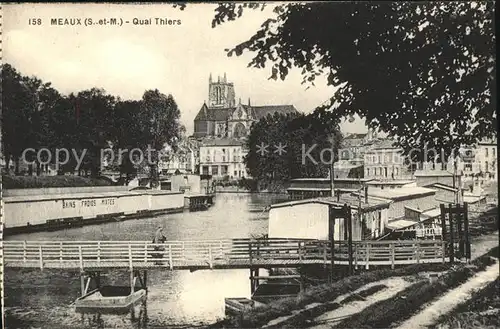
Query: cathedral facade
223	117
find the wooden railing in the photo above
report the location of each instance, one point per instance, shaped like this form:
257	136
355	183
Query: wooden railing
236	253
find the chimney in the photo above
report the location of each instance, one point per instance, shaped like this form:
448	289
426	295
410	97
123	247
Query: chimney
225	79
210	78
366	193
248	101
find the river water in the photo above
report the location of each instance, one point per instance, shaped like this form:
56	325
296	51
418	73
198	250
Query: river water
35	299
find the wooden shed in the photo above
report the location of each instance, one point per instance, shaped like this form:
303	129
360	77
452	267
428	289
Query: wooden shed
311	218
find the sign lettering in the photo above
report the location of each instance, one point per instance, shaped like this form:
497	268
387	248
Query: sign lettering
88	203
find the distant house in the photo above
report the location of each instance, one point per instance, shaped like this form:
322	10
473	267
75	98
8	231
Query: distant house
384	160
223	157
310	219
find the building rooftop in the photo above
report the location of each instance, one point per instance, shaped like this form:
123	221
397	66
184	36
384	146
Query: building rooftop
223	142
390	182
434	173
401	193
351	199
322	179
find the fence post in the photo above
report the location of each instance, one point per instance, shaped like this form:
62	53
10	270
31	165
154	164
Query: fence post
170	256
80	257
466	229
452	240
443	229
325	246
130	259
367	258
60	252
24	251
41	257
250	252
221	249
356	255
210	261
99	252
393	255
417	251
183	251
145	252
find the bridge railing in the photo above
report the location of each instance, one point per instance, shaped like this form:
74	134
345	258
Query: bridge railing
80	254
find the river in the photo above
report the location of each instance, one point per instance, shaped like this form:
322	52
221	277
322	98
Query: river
175	298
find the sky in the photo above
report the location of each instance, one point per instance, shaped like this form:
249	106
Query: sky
129	59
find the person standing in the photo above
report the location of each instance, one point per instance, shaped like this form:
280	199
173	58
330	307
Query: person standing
159	238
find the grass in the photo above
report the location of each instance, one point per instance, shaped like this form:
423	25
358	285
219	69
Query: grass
301	319
407	302
20	182
481	311
324	293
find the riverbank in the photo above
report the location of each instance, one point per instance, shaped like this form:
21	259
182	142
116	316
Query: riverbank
316	301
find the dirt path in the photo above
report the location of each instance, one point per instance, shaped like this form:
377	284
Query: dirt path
328	319
451	299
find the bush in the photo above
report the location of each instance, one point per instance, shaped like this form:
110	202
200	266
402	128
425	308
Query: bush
20	182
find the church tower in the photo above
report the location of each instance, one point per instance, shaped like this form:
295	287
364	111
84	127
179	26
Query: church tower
220	93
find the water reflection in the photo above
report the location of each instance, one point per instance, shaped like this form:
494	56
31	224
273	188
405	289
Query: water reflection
177	298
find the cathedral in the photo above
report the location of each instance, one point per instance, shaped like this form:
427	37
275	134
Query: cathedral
223	117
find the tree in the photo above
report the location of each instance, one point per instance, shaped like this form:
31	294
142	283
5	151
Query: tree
422	72
94	115
282	147
161	115
15	121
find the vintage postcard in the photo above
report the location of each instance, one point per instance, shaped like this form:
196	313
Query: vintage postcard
249	165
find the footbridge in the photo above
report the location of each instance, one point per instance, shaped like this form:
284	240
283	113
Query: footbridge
217	254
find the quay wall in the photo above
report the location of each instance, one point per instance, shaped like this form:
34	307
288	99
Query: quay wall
36	210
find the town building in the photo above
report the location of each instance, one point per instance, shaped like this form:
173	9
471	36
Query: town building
223	158
311	218
224	118
485	160
384	161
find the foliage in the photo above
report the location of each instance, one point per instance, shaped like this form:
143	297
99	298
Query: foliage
36	116
298	135
19	182
422	72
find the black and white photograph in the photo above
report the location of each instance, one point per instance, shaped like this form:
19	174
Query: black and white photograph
261	164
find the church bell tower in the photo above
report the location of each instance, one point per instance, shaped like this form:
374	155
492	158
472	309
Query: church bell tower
220	93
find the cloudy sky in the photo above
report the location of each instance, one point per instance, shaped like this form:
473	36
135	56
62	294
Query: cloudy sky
126	60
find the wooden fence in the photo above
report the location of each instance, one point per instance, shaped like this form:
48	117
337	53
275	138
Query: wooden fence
210	254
